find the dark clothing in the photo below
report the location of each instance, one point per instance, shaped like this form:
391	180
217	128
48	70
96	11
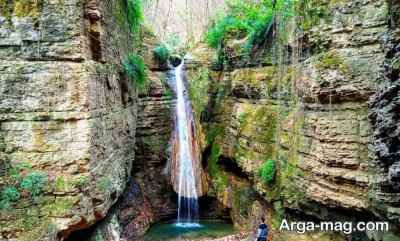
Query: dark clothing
262	232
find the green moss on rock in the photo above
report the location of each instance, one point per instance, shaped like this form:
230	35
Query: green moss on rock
220	179
198	90
311	12
331	61
24	8
21	8
59	207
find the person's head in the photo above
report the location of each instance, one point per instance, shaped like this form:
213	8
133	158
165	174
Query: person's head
262	219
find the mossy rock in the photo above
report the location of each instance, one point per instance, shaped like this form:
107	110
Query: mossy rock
21	8
220	179
331	61
59	207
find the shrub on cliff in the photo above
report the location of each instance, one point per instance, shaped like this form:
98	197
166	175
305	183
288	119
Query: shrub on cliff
244	18
249	20
267	171
136	70
162	53
135	14
224	27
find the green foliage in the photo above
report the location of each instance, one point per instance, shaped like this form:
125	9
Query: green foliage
162	53
136	69
245	18
17	169
311	12
21	8
220	30
21	179
81	181
8	195
33	183
211	134
198	91
129	14
267	171
135	14
220	179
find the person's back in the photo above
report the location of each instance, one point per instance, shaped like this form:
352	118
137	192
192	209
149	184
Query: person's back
262	232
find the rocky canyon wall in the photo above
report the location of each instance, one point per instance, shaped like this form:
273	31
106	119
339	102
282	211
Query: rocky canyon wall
385	123
66	110
309	111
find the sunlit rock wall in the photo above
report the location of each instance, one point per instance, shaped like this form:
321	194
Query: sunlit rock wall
335	83
67	110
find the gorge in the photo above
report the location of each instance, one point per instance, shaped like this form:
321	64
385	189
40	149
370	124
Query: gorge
125	120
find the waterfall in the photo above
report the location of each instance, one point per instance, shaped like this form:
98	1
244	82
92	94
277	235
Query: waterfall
186	155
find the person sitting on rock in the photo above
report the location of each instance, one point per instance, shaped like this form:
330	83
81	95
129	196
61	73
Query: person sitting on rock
262	232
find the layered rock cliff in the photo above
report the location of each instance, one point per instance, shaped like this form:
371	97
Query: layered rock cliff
308	110
68	113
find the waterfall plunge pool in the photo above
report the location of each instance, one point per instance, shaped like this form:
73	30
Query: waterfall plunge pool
205	229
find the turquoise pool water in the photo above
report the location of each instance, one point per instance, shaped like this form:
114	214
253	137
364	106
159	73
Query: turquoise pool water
206	229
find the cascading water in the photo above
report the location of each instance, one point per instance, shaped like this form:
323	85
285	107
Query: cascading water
186	155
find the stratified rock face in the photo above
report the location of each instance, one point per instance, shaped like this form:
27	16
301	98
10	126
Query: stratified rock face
146	199
311	118
66	110
335	155
386	125
149	197
155	123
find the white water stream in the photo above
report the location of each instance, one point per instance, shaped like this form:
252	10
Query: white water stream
188	208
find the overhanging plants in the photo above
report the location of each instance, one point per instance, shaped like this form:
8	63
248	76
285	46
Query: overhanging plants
136	70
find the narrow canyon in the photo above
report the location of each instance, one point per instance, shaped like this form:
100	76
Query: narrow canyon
163	120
